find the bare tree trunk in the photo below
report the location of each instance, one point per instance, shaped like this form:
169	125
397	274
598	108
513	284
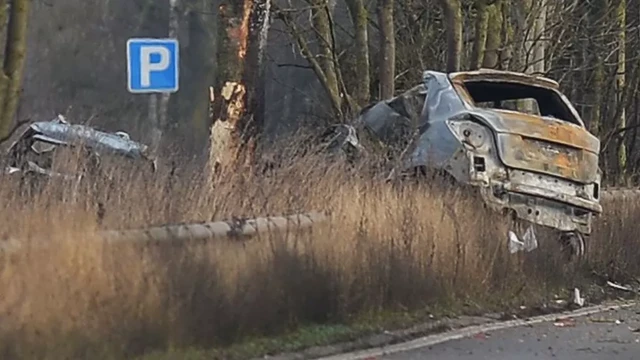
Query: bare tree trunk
595	13
4	15
506	55
13	66
494	39
531	19
322	26
538	64
360	19
598	82
521	40
453	19
621	17
163	103
387	49
254	119
480	42
238	108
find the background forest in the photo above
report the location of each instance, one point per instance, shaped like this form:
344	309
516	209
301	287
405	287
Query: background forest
389	258
324	60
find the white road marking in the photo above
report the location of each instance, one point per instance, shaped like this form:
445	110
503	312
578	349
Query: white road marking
469	331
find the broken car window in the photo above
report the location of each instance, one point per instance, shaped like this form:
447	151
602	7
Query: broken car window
528	105
529	99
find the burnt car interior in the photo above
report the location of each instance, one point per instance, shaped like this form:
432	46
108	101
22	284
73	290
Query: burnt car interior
506	95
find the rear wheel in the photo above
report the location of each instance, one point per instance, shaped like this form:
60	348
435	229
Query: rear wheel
574	246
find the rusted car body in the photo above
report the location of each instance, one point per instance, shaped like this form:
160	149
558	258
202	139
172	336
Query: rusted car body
515	137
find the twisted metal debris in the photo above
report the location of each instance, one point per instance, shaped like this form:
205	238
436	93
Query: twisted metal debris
32	152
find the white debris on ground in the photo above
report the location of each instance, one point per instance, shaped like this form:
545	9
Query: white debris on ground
619	287
529	241
577	299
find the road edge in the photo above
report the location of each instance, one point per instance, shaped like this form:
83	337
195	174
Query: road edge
467	331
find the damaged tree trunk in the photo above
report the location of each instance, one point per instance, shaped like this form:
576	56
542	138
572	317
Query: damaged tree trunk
237	108
13	62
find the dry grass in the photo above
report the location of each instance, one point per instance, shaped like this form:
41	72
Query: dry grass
387	249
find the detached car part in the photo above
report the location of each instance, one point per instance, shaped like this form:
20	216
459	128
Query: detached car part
33	152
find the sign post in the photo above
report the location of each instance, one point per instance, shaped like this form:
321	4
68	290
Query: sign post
152	65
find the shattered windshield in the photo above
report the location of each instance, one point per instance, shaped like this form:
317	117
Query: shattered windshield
522	98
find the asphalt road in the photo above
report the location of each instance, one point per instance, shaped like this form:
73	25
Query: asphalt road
591	337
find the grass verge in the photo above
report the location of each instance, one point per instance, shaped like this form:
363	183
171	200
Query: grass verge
388	250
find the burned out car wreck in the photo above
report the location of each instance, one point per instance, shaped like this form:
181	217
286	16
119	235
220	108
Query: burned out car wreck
34	152
514	137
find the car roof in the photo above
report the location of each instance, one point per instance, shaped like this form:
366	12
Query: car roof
504	76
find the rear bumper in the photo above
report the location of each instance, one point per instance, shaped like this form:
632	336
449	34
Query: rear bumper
573	201
545	200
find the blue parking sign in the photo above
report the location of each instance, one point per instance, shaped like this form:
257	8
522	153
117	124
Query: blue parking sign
152	65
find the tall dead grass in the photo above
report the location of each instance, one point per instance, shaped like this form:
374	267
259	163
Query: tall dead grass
387	248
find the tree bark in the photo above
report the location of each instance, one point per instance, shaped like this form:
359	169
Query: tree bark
621	17
453	19
595	12
494	39
238	107
359	16
387	48
537	64
13	66
188	115
321	23
521	35
507	37
531	20
480	41
4	14
163	101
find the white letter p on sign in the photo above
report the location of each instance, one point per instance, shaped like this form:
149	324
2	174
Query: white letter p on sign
146	66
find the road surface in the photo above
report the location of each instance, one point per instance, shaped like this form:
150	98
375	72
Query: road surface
598	336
